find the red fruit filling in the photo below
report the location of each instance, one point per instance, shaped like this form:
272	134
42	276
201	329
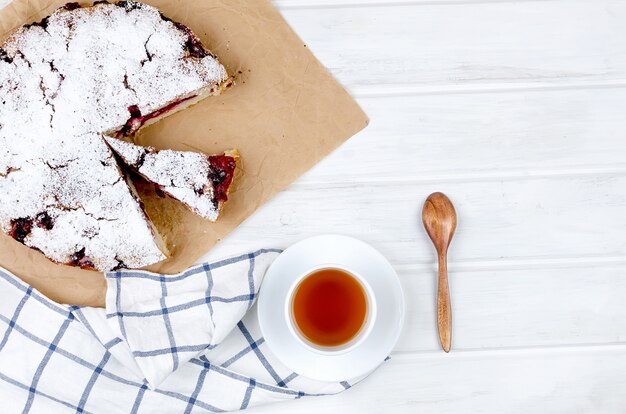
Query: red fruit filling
4	56
128	5
20	228
43	23
137	120
158	189
193	44
79	259
221	175
71	6
44	221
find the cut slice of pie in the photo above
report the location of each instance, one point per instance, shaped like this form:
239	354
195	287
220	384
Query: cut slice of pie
199	181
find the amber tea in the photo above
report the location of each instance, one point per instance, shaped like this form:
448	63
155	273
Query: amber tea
329	307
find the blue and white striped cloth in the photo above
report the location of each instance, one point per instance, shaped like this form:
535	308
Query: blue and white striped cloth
164	344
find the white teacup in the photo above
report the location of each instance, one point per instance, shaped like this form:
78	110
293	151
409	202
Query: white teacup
357	339
378	334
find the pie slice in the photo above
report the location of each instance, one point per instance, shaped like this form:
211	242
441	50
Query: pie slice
110	68
201	182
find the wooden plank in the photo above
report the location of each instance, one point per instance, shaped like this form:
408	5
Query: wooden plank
508	308
314	4
576	380
493	44
532	306
553	217
476	136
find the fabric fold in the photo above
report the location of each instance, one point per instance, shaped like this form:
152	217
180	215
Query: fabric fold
167	320
181	343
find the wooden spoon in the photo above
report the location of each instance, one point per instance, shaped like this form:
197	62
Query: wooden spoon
439	219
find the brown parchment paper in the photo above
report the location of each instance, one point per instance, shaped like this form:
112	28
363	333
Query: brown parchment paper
285	113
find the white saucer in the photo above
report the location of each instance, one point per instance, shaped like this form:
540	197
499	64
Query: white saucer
363	260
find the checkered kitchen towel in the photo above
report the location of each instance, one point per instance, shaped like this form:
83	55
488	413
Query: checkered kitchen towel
164	344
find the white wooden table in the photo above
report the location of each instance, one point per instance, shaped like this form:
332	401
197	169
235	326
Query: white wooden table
516	110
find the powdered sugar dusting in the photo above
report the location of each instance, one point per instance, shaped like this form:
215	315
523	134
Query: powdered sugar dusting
63	83
183	175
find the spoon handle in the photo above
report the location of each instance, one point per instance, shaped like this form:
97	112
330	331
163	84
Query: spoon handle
444	310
